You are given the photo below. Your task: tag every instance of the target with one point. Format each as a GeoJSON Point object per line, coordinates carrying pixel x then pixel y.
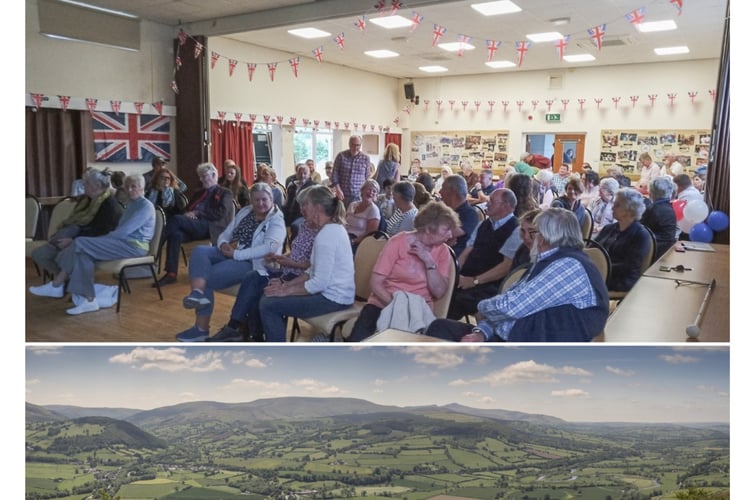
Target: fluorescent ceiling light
{"type": "Point", "coordinates": [656, 26]}
{"type": "Point", "coordinates": [579, 58]}
{"type": "Point", "coordinates": [455, 46]}
{"type": "Point", "coordinates": [500, 64]}
{"type": "Point", "coordinates": [496, 8]}
{"type": "Point", "coordinates": [392, 22]}
{"type": "Point", "coordinates": [544, 37]}
{"type": "Point", "coordinates": [433, 69]}
{"type": "Point", "coordinates": [668, 51]}
{"type": "Point", "coordinates": [380, 54]}
{"type": "Point", "coordinates": [309, 33]}
{"type": "Point", "coordinates": [100, 9]}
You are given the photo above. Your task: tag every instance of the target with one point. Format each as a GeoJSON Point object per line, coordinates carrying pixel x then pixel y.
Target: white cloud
{"type": "Point", "coordinates": [33, 381]}
{"type": "Point", "coordinates": [678, 359]}
{"type": "Point", "coordinates": [458, 382]}
{"type": "Point", "coordinates": [172, 359]}
{"type": "Point", "coordinates": [316, 387]}
{"type": "Point", "coordinates": [45, 350]}
{"type": "Point", "coordinates": [530, 372]}
{"type": "Point", "coordinates": [378, 382]}
{"type": "Point", "coordinates": [255, 363]}
{"type": "Point", "coordinates": [571, 393]}
{"type": "Point", "coordinates": [436, 356]}
{"type": "Point", "coordinates": [620, 372]}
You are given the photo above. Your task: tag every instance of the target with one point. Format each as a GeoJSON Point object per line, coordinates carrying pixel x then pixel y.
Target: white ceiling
{"type": "Point", "coordinates": [265, 23]}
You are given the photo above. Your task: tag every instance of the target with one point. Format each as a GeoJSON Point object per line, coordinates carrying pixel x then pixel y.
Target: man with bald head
{"type": "Point", "coordinates": [487, 258]}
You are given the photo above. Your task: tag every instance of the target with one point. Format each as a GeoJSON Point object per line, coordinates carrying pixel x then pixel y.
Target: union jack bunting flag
{"type": "Point", "coordinates": [130, 137]}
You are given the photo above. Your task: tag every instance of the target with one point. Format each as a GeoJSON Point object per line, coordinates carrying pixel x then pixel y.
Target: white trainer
{"type": "Point", "coordinates": [85, 306]}
{"type": "Point", "coordinates": [48, 290]}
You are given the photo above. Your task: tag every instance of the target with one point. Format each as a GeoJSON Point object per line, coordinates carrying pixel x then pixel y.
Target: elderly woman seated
{"type": "Point", "coordinates": [130, 238]}
{"type": "Point", "coordinates": [571, 199]}
{"type": "Point", "coordinates": [97, 212]}
{"type": "Point", "coordinates": [256, 231]}
{"type": "Point", "coordinates": [660, 216]}
{"type": "Point", "coordinates": [626, 240]}
{"type": "Point", "coordinates": [165, 192]}
{"type": "Point", "coordinates": [602, 207]}
{"type": "Point", "coordinates": [405, 211]}
{"type": "Point", "coordinates": [416, 262]}
{"type": "Point", "coordinates": [363, 216]}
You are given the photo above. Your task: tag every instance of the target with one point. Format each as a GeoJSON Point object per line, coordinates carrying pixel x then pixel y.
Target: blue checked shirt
{"type": "Point", "coordinates": [563, 281]}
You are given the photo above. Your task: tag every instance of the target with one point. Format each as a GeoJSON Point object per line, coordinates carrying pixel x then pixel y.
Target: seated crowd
{"type": "Point", "coordinates": [290, 249]}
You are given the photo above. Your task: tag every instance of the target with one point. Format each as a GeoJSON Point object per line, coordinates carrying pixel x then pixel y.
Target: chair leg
{"type": "Point", "coordinates": [121, 287]}
{"type": "Point", "coordinates": [295, 329]}
{"type": "Point", "coordinates": [185, 259]}
{"type": "Point", "coordinates": [156, 281]}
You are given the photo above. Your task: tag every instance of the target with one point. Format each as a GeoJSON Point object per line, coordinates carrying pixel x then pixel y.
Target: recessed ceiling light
{"type": "Point", "coordinates": [309, 33]}
{"type": "Point", "coordinates": [579, 58]}
{"type": "Point", "coordinates": [559, 21]}
{"type": "Point", "coordinates": [391, 22]}
{"type": "Point", "coordinates": [455, 46]}
{"type": "Point", "coordinates": [500, 64]}
{"type": "Point", "coordinates": [380, 54]}
{"type": "Point", "coordinates": [656, 26]}
{"type": "Point", "coordinates": [496, 8]}
{"type": "Point", "coordinates": [668, 51]}
{"type": "Point", "coordinates": [433, 69]}
{"type": "Point", "coordinates": [544, 37]}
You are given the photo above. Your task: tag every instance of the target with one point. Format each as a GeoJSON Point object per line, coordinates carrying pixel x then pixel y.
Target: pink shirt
{"type": "Point", "coordinates": [405, 271]}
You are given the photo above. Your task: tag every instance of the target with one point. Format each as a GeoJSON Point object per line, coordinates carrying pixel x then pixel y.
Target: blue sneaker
{"type": "Point", "coordinates": [195, 300]}
{"type": "Point", "coordinates": [193, 334]}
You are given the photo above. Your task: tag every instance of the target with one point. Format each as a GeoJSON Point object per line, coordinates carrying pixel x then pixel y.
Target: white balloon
{"type": "Point", "coordinates": [696, 211]}
{"type": "Point", "coordinates": [685, 225]}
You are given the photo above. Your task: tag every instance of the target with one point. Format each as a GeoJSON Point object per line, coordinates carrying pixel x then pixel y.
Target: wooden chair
{"type": "Point", "coordinates": [33, 209]}
{"type": "Point", "coordinates": [480, 212]}
{"type": "Point", "coordinates": [600, 258]}
{"type": "Point", "coordinates": [365, 259]}
{"type": "Point", "coordinates": [618, 296]}
{"type": "Point", "coordinates": [118, 266]}
{"type": "Point", "coordinates": [440, 305]}
{"type": "Point", "coordinates": [60, 212]}
{"type": "Point", "coordinates": [587, 225]}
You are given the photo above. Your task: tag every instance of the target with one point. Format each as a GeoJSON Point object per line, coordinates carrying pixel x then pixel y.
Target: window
{"type": "Point", "coordinates": [316, 144]}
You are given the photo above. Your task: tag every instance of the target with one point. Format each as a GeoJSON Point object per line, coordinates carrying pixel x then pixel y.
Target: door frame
{"type": "Point", "coordinates": [559, 140]}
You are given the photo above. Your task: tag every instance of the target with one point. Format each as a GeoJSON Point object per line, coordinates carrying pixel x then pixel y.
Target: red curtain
{"type": "Point", "coordinates": [233, 141]}
{"type": "Point", "coordinates": [395, 138]}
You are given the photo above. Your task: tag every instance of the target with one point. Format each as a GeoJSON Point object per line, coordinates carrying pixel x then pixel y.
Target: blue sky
{"type": "Point", "coordinates": [578, 383]}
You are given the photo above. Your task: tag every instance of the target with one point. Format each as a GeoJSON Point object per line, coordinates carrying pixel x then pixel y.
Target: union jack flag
{"type": "Point", "coordinates": [636, 16]}
{"type": "Point", "coordinates": [130, 137]}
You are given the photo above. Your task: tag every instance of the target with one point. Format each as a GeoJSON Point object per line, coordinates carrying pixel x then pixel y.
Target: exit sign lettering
{"type": "Point", "coordinates": [553, 117]}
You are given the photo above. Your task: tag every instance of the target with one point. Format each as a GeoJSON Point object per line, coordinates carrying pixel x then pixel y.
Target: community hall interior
{"type": "Point", "coordinates": [220, 71]}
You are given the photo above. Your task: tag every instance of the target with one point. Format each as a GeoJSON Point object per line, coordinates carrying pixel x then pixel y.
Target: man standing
{"type": "Point", "coordinates": [208, 213]}
{"type": "Point", "coordinates": [351, 168]}
{"type": "Point", "coordinates": [453, 193]}
{"type": "Point", "coordinates": [487, 258]}
{"type": "Point", "coordinates": [561, 298]}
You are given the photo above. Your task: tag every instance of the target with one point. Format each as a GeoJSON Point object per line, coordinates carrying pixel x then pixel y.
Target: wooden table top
{"type": "Point", "coordinates": [663, 303]}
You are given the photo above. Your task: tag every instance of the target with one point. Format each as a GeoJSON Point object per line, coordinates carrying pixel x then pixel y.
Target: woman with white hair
{"type": "Point", "coordinates": [602, 207]}
{"type": "Point", "coordinates": [543, 189]}
{"type": "Point", "coordinates": [446, 171]}
{"type": "Point", "coordinates": [363, 216]}
{"type": "Point", "coordinates": [660, 216]}
{"type": "Point", "coordinates": [626, 240]}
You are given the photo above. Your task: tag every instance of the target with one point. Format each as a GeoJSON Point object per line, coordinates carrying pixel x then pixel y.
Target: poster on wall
{"type": "Point", "coordinates": [486, 149]}
{"type": "Point", "coordinates": [624, 147]}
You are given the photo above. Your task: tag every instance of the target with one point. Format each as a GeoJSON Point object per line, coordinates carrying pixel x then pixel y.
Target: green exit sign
{"type": "Point", "coordinates": [553, 117]}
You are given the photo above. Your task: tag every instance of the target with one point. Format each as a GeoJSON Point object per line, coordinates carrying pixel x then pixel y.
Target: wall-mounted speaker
{"type": "Point", "coordinates": [409, 91]}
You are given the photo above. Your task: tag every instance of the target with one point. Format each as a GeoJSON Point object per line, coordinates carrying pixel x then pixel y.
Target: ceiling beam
{"type": "Point", "coordinates": [284, 16]}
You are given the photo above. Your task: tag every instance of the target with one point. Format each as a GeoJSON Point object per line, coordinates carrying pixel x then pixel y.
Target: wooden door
{"type": "Point", "coordinates": [569, 148]}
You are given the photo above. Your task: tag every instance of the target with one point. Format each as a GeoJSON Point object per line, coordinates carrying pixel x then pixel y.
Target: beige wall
{"type": "Point", "coordinates": [330, 92]}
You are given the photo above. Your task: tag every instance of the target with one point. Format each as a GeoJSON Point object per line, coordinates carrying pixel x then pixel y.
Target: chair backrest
{"type": "Point", "coordinates": [587, 225]}
{"type": "Point", "coordinates": [33, 209]}
{"type": "Point", "coordinates": [441, 305]}
{"type": "Point", "coordinates": [513, 277]}
{"type": "Point", "coordinates": [480, 212]}
{"type": "Point", "coordinates": [365, 259]}
{"type": "Point", "coordinates": [159, 224]}
{"type": "Point", "coordinates": [60, 212]}
{"type": "Point", "coordinates": [650, 257]}
{"type": "Point", "coordinates": [600, 258]}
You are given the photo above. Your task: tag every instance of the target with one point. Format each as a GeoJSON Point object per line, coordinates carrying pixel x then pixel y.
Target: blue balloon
{"type": "Point", "coordinates": [718, 221]}
{"type": "Point", "coordinates": [701, 232]}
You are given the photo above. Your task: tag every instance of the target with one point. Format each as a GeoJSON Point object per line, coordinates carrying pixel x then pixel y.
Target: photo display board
{"type": "Point", "coordinates": [487, 149]}
{"type": "Point", "coordinates": [624, 147]}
